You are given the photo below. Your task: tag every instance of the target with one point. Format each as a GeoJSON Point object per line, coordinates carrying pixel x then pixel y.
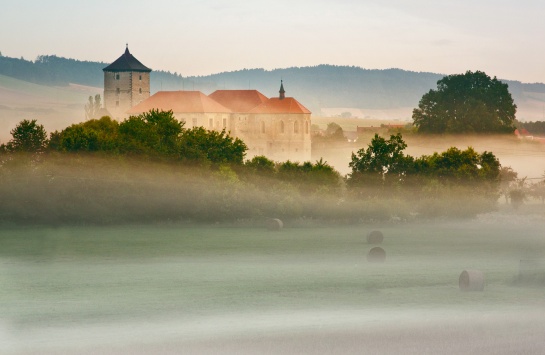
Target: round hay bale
{"type": "Point", "coordinates": [274, 224]}
{"type": "Point", "coordinates": [376, 255]}
{"type": "Point", "coordinates": [471, 280]}
{"type": "Point", "coordinates": [375, 237]}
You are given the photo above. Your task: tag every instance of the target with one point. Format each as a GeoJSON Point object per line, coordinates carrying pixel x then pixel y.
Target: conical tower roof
{"type": "Point", "coordinates": [127, 62]}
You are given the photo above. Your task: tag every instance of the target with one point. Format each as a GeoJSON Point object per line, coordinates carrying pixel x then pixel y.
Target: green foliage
{"type": "Point", "coordinates": [28, 136]}
{"type": "Point", "coordinates": [199, 144]}
{"type": "Point", "coordinates": [382, 162]}
{"type": "Point", "coordinates": [466, 103]}
{"type": "Point", "coordinates": [90, 136]}
{"type": "Point", "coordinates": [383, 168]}
{"type": "Point", "coordinates": [261, 165]}
{"type": "Point", "coordinates": [151, 133]}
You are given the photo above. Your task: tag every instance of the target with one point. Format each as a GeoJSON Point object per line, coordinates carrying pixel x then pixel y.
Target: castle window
{"type": "Point", "coordinates": [140, 78]}
{"type": "Point", "coordinates": [295, 127]}
{"type": "Point", "coordinates": [140, 90]}
{"type": "Point", "coordinates": [117, 104]}
{"type": "Point", "coordinates": [262, 127]}
{"type": "Point", "coordinates": [281, 126]}
{"type": "Point", "coordinates": [117, 91]}
{"type": "Point", "coordinates": [116, 76]}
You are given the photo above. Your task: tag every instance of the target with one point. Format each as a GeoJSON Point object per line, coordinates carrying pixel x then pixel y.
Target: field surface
{"type": "Point", "coordinates": [216, 289]}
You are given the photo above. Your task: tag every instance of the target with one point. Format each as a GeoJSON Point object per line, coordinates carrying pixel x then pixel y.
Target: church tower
{"type": "Point", "coordinates": [126, 84]}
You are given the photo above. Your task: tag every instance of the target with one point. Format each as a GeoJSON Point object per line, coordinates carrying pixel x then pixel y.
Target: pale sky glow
{"type": "Point", "coordinates": [503, 38]}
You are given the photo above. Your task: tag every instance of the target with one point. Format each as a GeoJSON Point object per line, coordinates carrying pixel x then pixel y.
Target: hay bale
{"type": "Point", "coordinates": [532, 271]}
{"type": "Point", "coordinates": [375, 237]}
{"type": "Point", "coordinates": [471, 280]}
{"type": "Point", "coordinates": [376, 255]}
{"type": "Point", "coordinates": [274, 224]}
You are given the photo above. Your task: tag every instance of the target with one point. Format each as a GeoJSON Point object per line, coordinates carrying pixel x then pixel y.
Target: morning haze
{"type": "Point", "coordinates": [253, 178]}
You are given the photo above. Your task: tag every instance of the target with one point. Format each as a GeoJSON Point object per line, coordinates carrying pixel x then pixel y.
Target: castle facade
{"type": "Point", "coordinates": [278, 127]}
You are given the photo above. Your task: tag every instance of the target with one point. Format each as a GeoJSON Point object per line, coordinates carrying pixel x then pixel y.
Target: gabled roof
{"type": "Point", "coordinates": [179, 102]}
{"type": "Point", "coordinates": [239, 100]}
{"type": "Point", "coordinates": [276, 105]}
{"type": "Point", "coordinates": [127, 62]}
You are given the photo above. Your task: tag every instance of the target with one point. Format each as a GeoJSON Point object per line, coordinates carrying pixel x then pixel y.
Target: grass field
{"type": "Point", "coordinates": [216, 289]}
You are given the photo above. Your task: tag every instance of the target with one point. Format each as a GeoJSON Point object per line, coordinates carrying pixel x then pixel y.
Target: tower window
{"type": "Point", "coordinates": [116, 76]}
{"type": "Point", "coordinates": [117, 91]}
{"type": "Point", "coordinates": [306, 127]}
{"type": "Point", "coordinates": [296, 127]}
{"type": "Point", "coordinates": [140, 90]}
{"type": "Point", "coordinates": [281, 126]}
{"type": "Point", "coordinates": [140, 78]}
{"type": "Point", "coordinates": [117, 104]}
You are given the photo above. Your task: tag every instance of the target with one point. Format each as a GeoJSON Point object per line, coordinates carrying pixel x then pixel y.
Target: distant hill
{"type": "Point", "coordinates": [324, 89]}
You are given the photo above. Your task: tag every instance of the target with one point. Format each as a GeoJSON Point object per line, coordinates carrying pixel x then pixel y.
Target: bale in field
{"type": "Point", "coordinates": [375, 237]}
{"type": "Point", "coordinates": [471, 280]}
{"type": "Point", "coordinates": [531, 272]}
{"type": "Point", "coordinates": [376, 255]}
{"type": "Point", "coordinates": [274, 224]}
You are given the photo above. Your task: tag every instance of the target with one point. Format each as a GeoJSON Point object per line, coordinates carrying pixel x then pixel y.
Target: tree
{"type": "Point", "coordinates": [199, 144]}
{"type": "Point", "coordinates": [383, 161]}
{"type": "Point", "coordinates": [93, 107]}
{"type": "Point", "coordinates": [466, 103]}
{"type": "Point", "coordinates": [90, 136]}
{"type": "Point", "coordinates": [154, 132]}
{"type": "Point", "coordinates": [28, 136]}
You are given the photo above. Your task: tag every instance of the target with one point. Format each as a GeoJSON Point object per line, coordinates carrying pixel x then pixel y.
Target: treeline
{"type": "Point", "coordinates": [51, 70]}
{"type": "Point", "coordinates": [535, 128]}
{"type": "Point", "coordinates": [316, 87]}
{"type": "Point", "coordinates": [149, 168]}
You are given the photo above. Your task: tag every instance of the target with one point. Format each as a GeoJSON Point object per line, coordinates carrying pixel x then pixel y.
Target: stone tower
{"type": "Point", "coordinates": [126, 84]}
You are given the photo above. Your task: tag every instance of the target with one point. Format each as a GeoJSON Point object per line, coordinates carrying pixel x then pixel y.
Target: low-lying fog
{"type": "Point", "coordinates": [525, 156]}
{"type": "Point", "coordinates": [239, 289]}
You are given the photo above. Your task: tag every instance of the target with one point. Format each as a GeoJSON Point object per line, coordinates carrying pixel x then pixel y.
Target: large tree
{"type": "Point", "coordinates": [466, 103]}
{"type": "Point", "coordinates": [28, 136]}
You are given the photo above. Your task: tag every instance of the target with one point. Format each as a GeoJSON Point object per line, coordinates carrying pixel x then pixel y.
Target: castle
{"type": "Point", "coordinates": [277, 127]}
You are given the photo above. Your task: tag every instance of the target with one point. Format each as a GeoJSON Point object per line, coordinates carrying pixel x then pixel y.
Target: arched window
{"type": "Point", "coordinates": [281, 126]}
{"type": "Point", "coordinates": [295, 127]}
{"type": "Point", "coordinates": [262, 127]}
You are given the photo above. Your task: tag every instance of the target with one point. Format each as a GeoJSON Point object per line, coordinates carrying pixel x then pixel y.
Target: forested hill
{"type": "Point", "coordinates": [51, 70]}
{"type": "Point", "coordinates": [322, 86]}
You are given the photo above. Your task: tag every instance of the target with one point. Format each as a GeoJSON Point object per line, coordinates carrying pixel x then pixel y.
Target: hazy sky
{"type": "Point", "coordinates": [503, 38]}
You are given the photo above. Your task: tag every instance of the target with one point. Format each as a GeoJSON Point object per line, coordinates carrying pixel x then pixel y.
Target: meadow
{"type": "Point", "coordinates": [217, 288]}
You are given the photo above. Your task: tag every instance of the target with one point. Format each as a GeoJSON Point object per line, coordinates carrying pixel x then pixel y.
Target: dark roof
{"type": "Point", "coordinates": [127, 62]}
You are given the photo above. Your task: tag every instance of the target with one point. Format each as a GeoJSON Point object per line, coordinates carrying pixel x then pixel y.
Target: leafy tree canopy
{"type": "Point", "coordinates": [466, 103]}
{"type": "Point", "coordinates": [28, 136]}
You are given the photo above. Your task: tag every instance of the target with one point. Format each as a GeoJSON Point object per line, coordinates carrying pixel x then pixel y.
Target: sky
{"type": "Point", "coordinates": [503, 38]}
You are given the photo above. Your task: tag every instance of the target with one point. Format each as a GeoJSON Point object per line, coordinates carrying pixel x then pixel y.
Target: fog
{"type": "Point", "coordinates": [525, 156]}
{"type": "Point", "coordinates": [120, 255]}
{"type": "Point", "coordinates": [201, 288]}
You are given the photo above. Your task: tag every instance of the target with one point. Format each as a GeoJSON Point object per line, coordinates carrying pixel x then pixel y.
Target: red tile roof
{"type": "Point", "coordinates": [275, 106]}
{"type": "Point", "coordinates": [180, 102]}
{"type": "Point", "coordinates": [239, 100]}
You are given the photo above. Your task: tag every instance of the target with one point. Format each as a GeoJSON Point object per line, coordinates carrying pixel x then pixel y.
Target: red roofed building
{"type": "Point", "coordinates": [278, 128]}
